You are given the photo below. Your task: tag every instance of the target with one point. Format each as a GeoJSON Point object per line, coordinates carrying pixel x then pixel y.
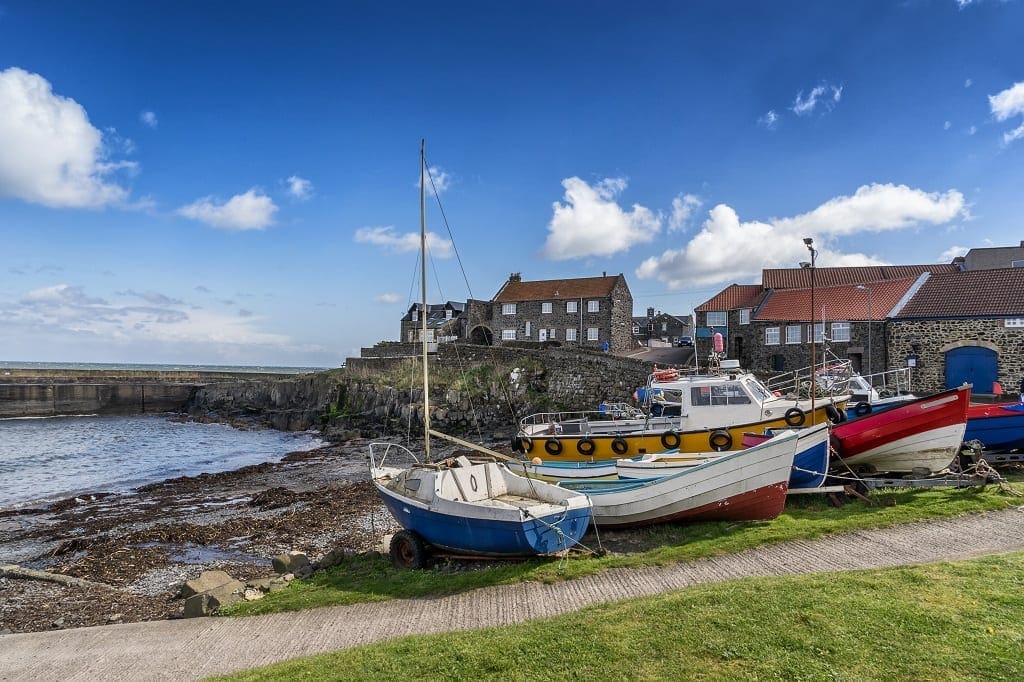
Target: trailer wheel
{"type": "Point", "coordinates": [408, 551]}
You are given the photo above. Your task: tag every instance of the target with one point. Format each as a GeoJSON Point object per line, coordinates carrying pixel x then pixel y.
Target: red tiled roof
{"type": "Point", "coordinates": [556, 289]}
{"type": "Point", "coordinates": [734, 296]}
{"type": "Point", "coordinates": [800, 278]}
{"type": "Point", "coordinates": [840, 303]}
{"type": "Point", "coordinates": [975, 293]}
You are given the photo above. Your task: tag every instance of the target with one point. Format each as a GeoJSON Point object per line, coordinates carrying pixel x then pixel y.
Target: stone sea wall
{"type": "Point", "coordinates": [54, 399]}
{"type": "Point", "coordinates": [471, 391]}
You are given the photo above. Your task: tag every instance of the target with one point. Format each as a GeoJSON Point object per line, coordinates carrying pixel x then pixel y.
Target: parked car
{"type": "Point", "coordinates": [685, 341]}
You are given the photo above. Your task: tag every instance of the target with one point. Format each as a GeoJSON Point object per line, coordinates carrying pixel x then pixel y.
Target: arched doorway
{"type": "Point", "coordinates": [974, 365]}
{"type": "Point", "coordinates": [481, 336]}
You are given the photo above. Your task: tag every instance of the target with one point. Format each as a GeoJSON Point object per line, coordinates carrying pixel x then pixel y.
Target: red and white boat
{"type": "Point", "coordinates": [744, 485]}
{"type": "Point", "coordinates": [924, 434]}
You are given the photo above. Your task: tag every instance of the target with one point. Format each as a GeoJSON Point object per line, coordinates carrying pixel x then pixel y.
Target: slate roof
{"type": "Point", "coordinates": [846, 302]}
{"type": "Point", "coordinates": [556, 289]}
{"type": "Point", "coordinates": [974, 293]}
{"type": "Point", "coordinates": [436, 312]}
{"type": "Point", "coordinates": [800, 278]}
{"type": "Point", "coordinates": [734, 296]}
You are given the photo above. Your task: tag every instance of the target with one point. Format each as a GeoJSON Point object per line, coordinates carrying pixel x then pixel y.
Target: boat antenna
{"type": "Point", "coordinates": [423, 292]}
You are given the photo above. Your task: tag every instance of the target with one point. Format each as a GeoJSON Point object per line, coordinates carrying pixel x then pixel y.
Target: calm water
{"type": "Point", "coordinates": [49, 459]}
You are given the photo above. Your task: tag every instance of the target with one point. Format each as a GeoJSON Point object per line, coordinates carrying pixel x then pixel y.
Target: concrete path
{"type": "Point", "coordinates": [192, 649]}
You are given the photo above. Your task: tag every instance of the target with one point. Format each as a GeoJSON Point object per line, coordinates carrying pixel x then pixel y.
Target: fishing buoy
{"type": "Point", "coordinates": [537, 460]}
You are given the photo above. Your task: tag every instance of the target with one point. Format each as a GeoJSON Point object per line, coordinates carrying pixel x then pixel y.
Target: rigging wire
{"type": "Point", "coordinates": [451, 237]}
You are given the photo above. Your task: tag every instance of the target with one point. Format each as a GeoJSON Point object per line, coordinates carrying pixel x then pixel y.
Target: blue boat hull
{"type": "Point", "coordinates": [489, 537]}
{"type": "Point", "coordinates": [810, 467]}
{"type": "Point", "coordinates": [997, 433]}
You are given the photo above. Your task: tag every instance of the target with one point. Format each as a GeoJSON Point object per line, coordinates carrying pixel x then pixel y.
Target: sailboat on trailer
{"type": "Point", "coordinates": [468, 506]}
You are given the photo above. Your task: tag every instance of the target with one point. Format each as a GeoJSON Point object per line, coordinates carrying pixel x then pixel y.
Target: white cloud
{"type": "Point", "coordinates": [947, 125]}
{"type": "Point", "coordinates": [972, 130]}
{"type": "Point", "coordinates": [149, 119]}
{"type": "Point", "coordinates": [442, 180]}
{"type": "Point", "coordinates": [968, 83]}
{"type": "Point", "coordinates": [1006, 105]}
{"type": "Point", "coordinates": [591, 223]}
{"type": "Point", "coordinates": [61, 294]}
{"type": "Point", "coordinates": [407, 242]}
{"type": "Point", "coordinates": [387, 298]}
{"type": "Point", "coordinates": [769, 120]}
{"type": "Point", "coordinates": [728, 249]}
{"type": "Point", "coordinates": [299, 188]}
{"type": "Point", "coordinates": [952, 252]}
{"type": "Point", "coordinates": [683, 207]}
{"type": "Point", "coordinates": [50, 153]}
{"type": "Point", "coordinates": [250, 211]}
{"type": "Point", "coordinates": [826, 95]}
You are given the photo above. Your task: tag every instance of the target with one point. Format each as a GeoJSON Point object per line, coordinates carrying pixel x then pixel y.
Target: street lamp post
{"type": "Point", "coordinates": [871, 319]}
{"type": "Point", "coordinates": [809, 243]}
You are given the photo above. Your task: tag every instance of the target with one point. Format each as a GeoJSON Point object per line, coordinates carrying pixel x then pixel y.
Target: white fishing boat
{"type": "Point", "coordinates": [463, 506]}
{"type": "Point", "coordinates": [746, 485]}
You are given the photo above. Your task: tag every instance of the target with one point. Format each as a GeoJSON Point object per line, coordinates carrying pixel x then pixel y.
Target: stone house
{"type": "Point", "coordinates": [767, 326]}
{"type": "Point", "coordinates": [445, 322]}
{"type": "Point", "coordinates": [593, 312]}
{"type": "Point", "coordinates": [661, 326]}
{"type": "Point", "coordinates": [958, 327]}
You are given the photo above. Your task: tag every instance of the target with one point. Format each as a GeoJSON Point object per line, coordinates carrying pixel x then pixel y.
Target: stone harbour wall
{"type": "Point", "coordinates": [54, 399]}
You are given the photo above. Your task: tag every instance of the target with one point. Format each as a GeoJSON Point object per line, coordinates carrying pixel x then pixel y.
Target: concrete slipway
{"type": "Point", "coordinates": [192, 649]}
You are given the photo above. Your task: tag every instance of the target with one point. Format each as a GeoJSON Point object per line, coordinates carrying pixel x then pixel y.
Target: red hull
{"type": "Point", "coordinates": [762, 504]}
{"type": "Point", "coordinates": [910, 419]}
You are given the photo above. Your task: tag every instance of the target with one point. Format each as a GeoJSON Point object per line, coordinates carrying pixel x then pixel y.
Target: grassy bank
{"type": "Point", "coordinates": [942, 621]}
{"type": "Point", "coordinates": [371, 578]}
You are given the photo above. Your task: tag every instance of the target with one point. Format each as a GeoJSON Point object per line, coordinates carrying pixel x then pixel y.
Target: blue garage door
{"type": "Point", "coordinates": [975, 365]}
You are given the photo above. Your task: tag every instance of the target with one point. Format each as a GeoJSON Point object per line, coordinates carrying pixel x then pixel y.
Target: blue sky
{"type": "Point", "coordinates": [225, 183]}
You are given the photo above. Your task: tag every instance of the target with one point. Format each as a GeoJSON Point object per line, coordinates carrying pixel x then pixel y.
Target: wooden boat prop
{"type": "Point", "coordinates": [924, 434]}
{"type": "Point", "coordinates": [699, 413]}
{"type": "Point", "coordinates": [999, 426]}
{"type": "Point", "coordinates": [810, 463]}
{"type": "Point", "coordinates": [463, 506]}
{"type": "Point", "coordinates": [747, 485]}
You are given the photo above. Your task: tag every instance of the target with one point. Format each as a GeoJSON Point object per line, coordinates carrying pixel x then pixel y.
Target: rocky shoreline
{"type": "Point", "coordinates": [142, 546]}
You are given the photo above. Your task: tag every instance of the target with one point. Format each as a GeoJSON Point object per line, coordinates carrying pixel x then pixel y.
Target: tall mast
{"type": "Point", "coordinates": [423, 288]}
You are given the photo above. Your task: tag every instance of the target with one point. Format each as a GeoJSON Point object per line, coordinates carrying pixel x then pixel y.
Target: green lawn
{"type": "Point", "coordinates": [371, 578]}
{"type": "Point", "coordinates": [951, 621]}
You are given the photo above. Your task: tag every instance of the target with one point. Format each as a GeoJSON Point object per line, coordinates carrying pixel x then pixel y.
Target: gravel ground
{"type": "Point", "coordinates": [148, 542]}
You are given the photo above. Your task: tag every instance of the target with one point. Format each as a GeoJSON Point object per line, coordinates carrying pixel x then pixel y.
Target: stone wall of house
{"type": "Point", "coordinates": [621, 317]}
{"type": "Point", "coordinates": [390, 349]}
{"type": "Point", "coordinates": [935, 337]}
{"type": "Point", "coordinates": [560, 320]}
{"type": "Point", "coordinates": [747, 343]}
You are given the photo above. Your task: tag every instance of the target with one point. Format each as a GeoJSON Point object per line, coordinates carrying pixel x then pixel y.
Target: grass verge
{"type": "Point", "coordinates": [369, 578]}
{"type": "Point", "coordinates": [946, 621]}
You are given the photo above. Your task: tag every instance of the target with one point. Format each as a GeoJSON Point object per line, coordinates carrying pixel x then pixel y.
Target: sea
{"type": "Point", "coordinates": [52, 458]}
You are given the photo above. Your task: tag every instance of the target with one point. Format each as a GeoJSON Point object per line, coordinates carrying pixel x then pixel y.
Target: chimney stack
{"type": "Point", "coordinates": [515, 277]}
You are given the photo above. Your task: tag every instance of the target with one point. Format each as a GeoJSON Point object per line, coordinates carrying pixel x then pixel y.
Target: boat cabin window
{"type": "Point", "coordinates": [759, 392]}
{"type": "Point", "coordinates": [719, 394]}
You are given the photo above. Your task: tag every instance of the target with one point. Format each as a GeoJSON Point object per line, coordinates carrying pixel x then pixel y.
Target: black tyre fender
{"type": "Point", "coordinates": [517, 444]}
{"type": "Point", "coordinates": [408, 550]}
{"type": "Point", "coordinates": [586, 446]}
{"type": "Point", "coordinates": [862, 409]}
{"type": "Point", "coordinates": [833, 414]}
{"type": "Point", "coordinates": [670, 439]}
{"type": "Point", "coordinates": [620, 446]}
{"type": "Point", "coordinates": [795, 416]}
{"type": "Point", "coordinates": [525, 444]}
{"type": "Point", "coordinates": [720, 440]}
{"type": "Point", "coordinates": [553, 446]}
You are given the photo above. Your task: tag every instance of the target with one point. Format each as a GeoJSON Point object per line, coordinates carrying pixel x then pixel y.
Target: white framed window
{"type": "Point", "coordinates": [448, 313]}
{"type": "Point", "coordinates": [546, 308]}
{"type": "Point", "coordinates": [591, 333]}
{"type": "Point", "coordinates": [636, 329]}
{"type": "Point", "coordinates": [718, 318]}
{"type": "Point", "coordinates": [570, 334]}
{"type": "Point", "coordinates": [771, 336]}
{"type": "Point", "coordinates": [840, 331]}
{"type": "Point", "coordinates": [508, 334]}
{"type": "Point", "coordinates": [744, 315]}
{"type": "Point", "coordinates": [1017, 264]}
{"type": "Point", "coordinates": [415, 315]}
{"type": "Point", "coordinates": [593, 306]}
{"type": "Point", "coordinates": [664, 327]}
{"type": "Point", "coordinates": [508, 308]}
{"type": "Point", "coordinates": [527, 329]}
{"type": "Point", "coordinates": [570, 306]}
{"type": "Point", "coordinates": [819, 332]}
{"type": "Point", "coordinates": [793, 334]}
{"type": "Point", "coordinates": [552, 334]}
